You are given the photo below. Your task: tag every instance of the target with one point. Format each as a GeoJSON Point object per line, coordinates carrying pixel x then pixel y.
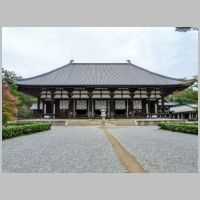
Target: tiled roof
{"type": "Point", "coordinates": [167, 103]}
{"type": "Point", "coordinates": [99, 74]}
{"type": "Point", "coordinates": [182, 109]}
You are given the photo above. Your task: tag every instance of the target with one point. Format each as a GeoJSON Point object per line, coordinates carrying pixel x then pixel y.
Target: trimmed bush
{"type": "Point", "coordinates": [24, 129]}
{"type": "Point", "coordinates": [180, 127]}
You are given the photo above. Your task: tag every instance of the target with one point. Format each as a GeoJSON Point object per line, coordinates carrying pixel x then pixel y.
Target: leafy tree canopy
{"type": "Point", "coordinates": [24, 101]}
{"type": "Point", "coordinates": [185, 29]}
{"type": "Point", "coordinates": [187, 96]}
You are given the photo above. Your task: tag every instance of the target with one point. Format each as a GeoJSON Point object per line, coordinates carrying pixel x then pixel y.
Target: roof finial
{"type": "Point", "coordinates": [128, 61]}
{"type": "Point", "coordinates": [71, 61]}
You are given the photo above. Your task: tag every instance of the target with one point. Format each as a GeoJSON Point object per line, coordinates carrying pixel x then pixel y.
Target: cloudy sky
{"type": "Point", "coordinates": [32, 51]}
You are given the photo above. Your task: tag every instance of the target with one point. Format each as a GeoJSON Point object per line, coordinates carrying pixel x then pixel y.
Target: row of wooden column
{"type": "Point", "coordinates": [112, 109]}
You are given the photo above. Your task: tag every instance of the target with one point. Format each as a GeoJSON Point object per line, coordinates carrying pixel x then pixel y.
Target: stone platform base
{"type": "Point", "coordinates": [108, 122]}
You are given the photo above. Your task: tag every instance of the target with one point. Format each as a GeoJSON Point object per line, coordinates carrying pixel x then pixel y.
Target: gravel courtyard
{"type": "Point", "coordinates": [86, 149]}
{"type": "Point", "coordinates": [62, 149]}
{"type": "Point", "coordinates": [160, 150]}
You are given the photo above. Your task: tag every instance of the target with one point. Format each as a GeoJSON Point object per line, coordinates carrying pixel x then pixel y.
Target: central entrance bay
{"type": "Point", "coordinates": [81, 108]}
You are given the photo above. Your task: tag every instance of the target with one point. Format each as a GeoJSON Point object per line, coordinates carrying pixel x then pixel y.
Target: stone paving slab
{"type": "Point", "coordinates": [62, 149]}
{"type": "Point", "coordinates": [159, 150]}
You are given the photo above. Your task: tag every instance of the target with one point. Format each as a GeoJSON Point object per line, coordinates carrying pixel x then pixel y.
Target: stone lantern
{"type": "Point", "coordinates": [103, 115]}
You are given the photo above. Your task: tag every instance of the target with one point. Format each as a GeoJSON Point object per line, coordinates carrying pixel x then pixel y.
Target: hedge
{"type": "Point", "coordinates": [180, 127]}
{"type": "Point", "coordinates": [24, 129]}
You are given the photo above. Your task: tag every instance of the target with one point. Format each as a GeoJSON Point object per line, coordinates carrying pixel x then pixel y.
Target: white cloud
{"type": "Point", "coordinates": [32, 51]}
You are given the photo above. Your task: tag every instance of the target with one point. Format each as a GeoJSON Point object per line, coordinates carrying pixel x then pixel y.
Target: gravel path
{"type": "Point", "coordinates": [159, 150]}
{"type": "Point", "coordinates": [63, 149]}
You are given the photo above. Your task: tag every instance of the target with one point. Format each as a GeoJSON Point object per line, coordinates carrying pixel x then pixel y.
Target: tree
{"type": "Point", "coordinates": [9, 77]}
{"type": "Point", "coordinates": [187, 96]}
{"type": "Point", "coordinates": [195, 81]}
{"type": "Point", "coordinates": [185, 29]}
{"type": "Point", "coordinates": [192, 83]}
{"type": "Point", "coordinates": [24, 101]}
{"type": "Point", "coordinates": [8, 104]}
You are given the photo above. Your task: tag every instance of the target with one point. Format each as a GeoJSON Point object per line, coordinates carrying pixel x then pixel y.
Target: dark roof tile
{"type": "Point", "coordinates": [99, 74]}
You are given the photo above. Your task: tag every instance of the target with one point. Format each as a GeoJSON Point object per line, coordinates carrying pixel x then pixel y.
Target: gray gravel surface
{"type": "Point", "coordinates": [160, 150]}
{"type": "Point", "coordinates": [62, 149]}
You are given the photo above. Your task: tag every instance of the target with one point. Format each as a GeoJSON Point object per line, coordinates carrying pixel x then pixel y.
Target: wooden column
{"type": "Point", "coordinates": [38, 103]}
{"type": "Point", "coordinates": [148, 95]}
{"type": "Point", "coordinates": [162, 106]}
{"type": "Point", "coordinates": [90, 103]}
{"type": "Point", "coordinates": [38, 106]}
{"type": "Point", "coordinates": [129, 108]}
{"type": "Point", "coordinates": [131, 114]}
{"type": "Point", "coordinates": [43, 108]}
{"type": "Point", "coordinates": [52, 103]}
{"type": "Point", "coordinates": [112, 109]}
{"type": "Point", "coordinates": [157, 106]}
{"type": "Point", "coordinates": [70, 109]}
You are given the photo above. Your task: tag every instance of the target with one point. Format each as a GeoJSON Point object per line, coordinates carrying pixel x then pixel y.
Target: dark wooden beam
{"type": "Point", "coordinates": [52, 102]}
{"type": "Point", "coordinates": [90, 90]}
{"type": "Point", "coordinates": [112, 109]}
{"type": "Point", "coordinates": [70, 109]}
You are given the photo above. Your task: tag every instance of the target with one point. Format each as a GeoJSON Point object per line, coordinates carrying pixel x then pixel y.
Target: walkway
{"type": "Point", "coordinates": [93, 149]}
{"type": "Point", "coordinates": [63, 149]}
{"type": "Point", "coordinates": [159, 150]}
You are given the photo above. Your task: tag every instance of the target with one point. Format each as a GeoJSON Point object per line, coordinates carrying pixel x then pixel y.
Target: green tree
{"type": "Point", "coordinates": [187, 96]}
{"type": "Point", "coordinates": [185, 29]}
{"type": "Point", "coordinates": [195, 81]}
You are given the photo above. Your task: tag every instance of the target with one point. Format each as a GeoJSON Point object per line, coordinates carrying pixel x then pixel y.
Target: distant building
{"type": "Point", "coordinates": [81, 90]}
{"type": "Point", "coordinates": [189, 112]}
{"type": "Point", "coordinates": [167, 106]}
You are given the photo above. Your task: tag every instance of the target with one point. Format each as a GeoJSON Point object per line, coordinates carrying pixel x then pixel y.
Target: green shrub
{"type": "Point", "coordinates": [24, 129]}
{"type": "Point", "coordinates": [24, 112]}
{"type": "Point", "coordinates": [180, 127]}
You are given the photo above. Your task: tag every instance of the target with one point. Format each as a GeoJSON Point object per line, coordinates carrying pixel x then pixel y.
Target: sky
{"type": "Point", "coordinates": [30, 51]}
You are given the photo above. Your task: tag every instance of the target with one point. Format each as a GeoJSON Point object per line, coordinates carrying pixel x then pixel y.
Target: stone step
{"type": "Point", "coordinates": [84, 122]}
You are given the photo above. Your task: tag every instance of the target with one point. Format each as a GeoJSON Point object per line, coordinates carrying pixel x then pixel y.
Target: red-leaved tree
{"type": "Point", "coordinates": [8, 104]}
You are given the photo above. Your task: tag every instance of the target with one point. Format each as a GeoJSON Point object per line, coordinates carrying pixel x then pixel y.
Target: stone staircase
{"type": "Point", "coordinates": [84, 122]}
